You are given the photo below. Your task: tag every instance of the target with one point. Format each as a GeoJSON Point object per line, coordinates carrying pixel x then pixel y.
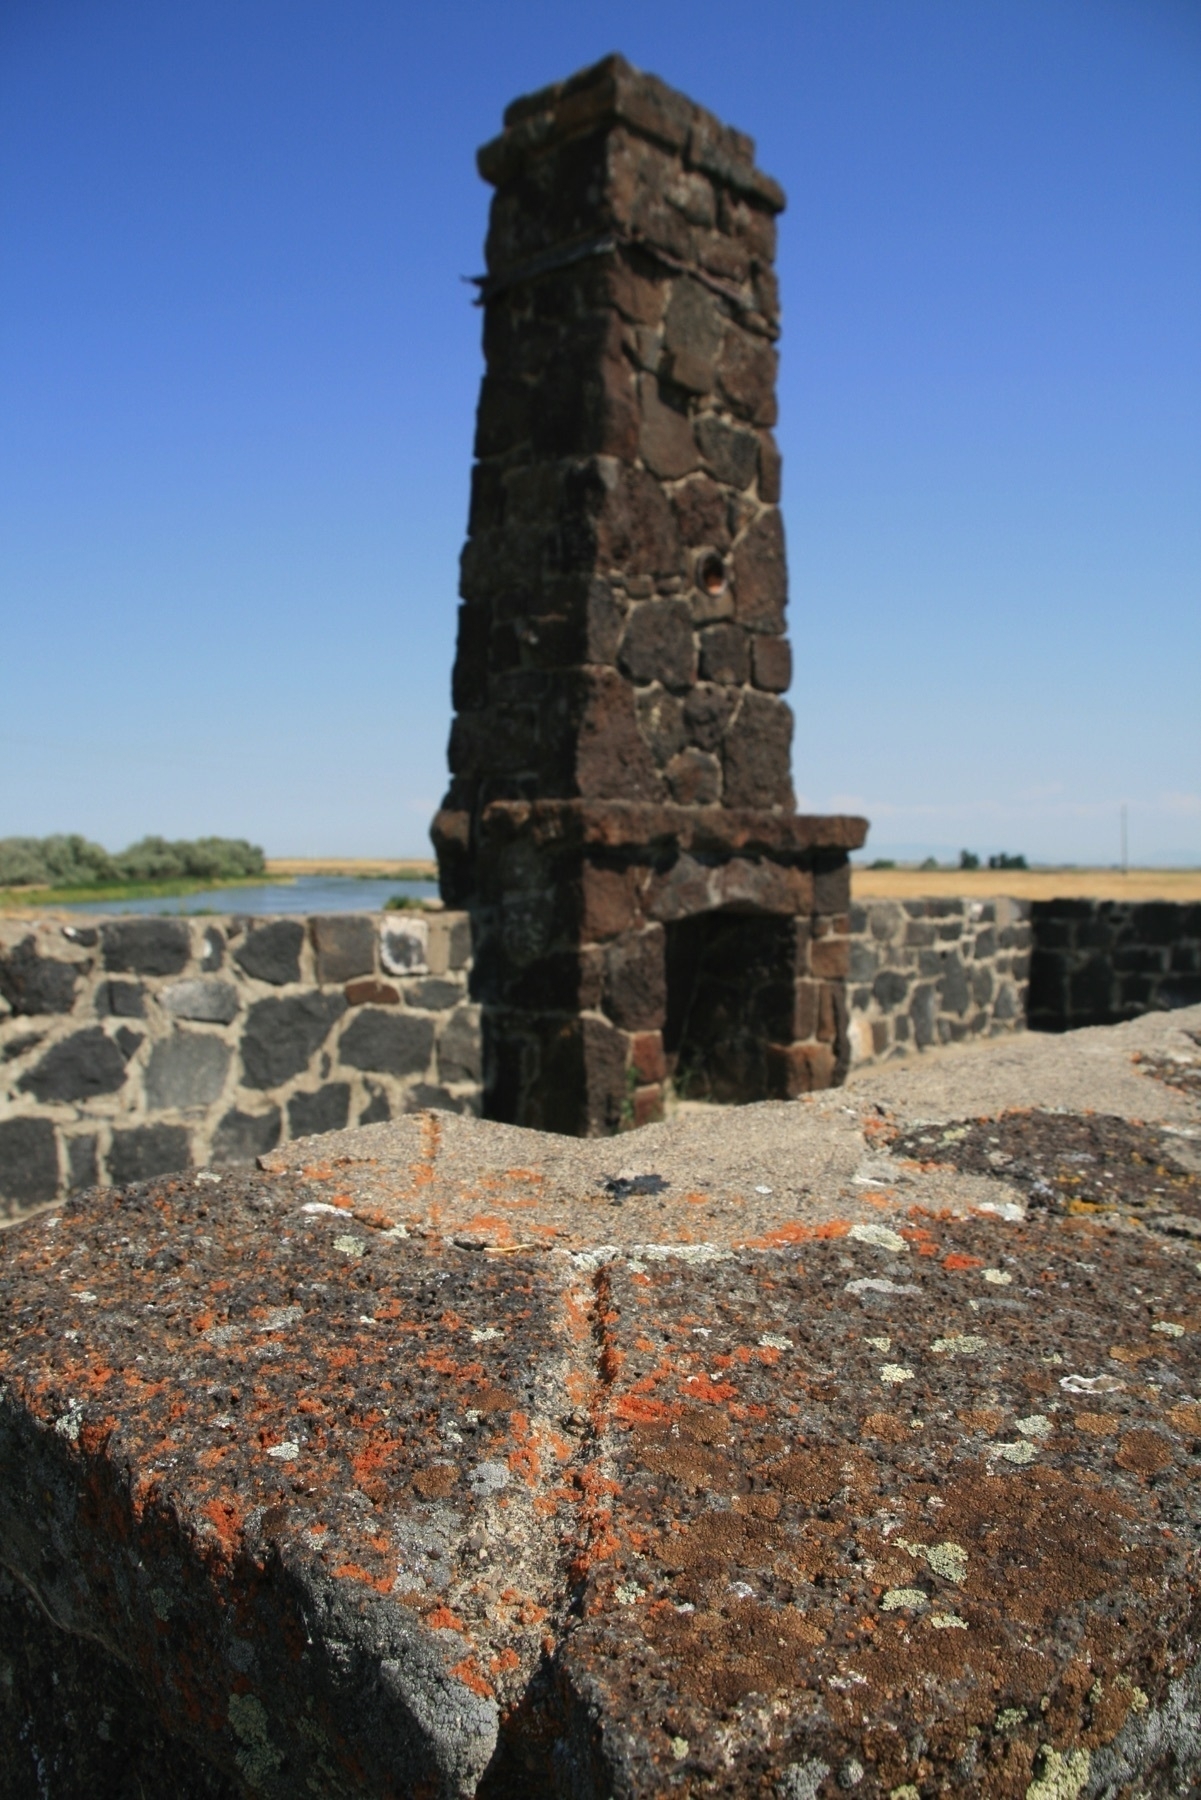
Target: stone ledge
{"type": "Point", "coordinates": [619, 825]}
{"type": "Point", "coordinates": [463, 1459]}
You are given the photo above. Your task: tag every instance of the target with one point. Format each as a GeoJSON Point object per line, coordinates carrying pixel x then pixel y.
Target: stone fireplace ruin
{"type": "Point", "coordinates": [647, 905]}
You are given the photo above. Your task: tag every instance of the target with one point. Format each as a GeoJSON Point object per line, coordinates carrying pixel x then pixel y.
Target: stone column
{"type": "Point", "coordinates": [620, 819]}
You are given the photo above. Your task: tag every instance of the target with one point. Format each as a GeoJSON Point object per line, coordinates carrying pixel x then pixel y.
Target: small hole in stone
{"type": "Point", "coordinates": [711, 575]}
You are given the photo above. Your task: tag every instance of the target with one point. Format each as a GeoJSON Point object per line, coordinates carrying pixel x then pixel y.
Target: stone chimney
{"type": "Point", "coordinates": [647, 906]}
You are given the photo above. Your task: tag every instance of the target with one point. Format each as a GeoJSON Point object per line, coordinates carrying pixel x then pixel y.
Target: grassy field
{"type": "Point", "coordinates": [1028, 884]}
{"type": "Point", "coordinates": [364, 868]}
{"type": "Point", "coordinates": [25, 899]}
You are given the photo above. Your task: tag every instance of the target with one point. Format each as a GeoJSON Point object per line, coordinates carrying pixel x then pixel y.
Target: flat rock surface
{"type": "Point", "coordinates": [846, 1445]}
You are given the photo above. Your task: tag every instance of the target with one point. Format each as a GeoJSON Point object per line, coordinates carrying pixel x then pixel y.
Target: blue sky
{"type": "Point", "coordinates": [238, 373]}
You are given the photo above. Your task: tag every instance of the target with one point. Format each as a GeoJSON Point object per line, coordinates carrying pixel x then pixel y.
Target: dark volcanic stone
{"type": "Point", "coordinates": [185, 1070]}
{"type": "Point", "coordinates": [145, 1151]}
{"type": "Point", "coordinates": [240, 1136]}
{"type": "Point", "coordinates": [37, 984]}
{"type": "Point", "coordinates": [344, 944]}
{"type": "Point", "coordinates": [146, 946]}
{"type": "Point", "coordinates": [272, 952]}
{"type": "Point", "coordinates": [377, 1109]}
{"type": "Point", "coordinates": [326, 1110]}
{"type": "Point", "coordinates": [81, 1162]}
{"type": "Point", "coordinates": [76, 1068]}
{"type": "Point", "coordinates": [281, 1035]}
{"type": "Point", "coordinates": [105, 1742]}
{"type": "Point", "coordinates": [121, 1000]}
{"type": "Point", "coordinates": [387, 1042]}
{"type": "Point", "coordinates": [28, 1161]}
{"type": "Point", "coordinates": [1068, 1163]}
{"type": "Point", "coordinates": [205, 1000]}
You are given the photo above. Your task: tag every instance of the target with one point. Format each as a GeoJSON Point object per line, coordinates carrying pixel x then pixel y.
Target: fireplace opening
{"type": "Point", "coordinates": [730, 980]}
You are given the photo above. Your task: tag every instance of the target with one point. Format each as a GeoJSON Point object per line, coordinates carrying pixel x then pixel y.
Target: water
{"type": "Point", "coordinates": [306, 894]}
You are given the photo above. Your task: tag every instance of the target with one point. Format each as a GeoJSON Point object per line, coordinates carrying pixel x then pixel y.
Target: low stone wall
{"type": "Point", "coordinates": [1097, 962]}
{"type": "Point", "coordinates": [928, 972]}
{"type": "Point", "coordinates": [133, 1047]}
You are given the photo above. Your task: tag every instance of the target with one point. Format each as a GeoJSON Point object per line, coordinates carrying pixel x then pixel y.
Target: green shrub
{"type": "Point", "coordinates": [73, 862]}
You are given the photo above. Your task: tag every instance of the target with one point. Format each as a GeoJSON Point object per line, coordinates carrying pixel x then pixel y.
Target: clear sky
{"type": "Point", "coordinates": [239, 366]}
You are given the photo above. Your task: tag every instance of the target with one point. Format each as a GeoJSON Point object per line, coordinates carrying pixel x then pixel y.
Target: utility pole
{"type": "Point", "coordinates": [1125, 858]}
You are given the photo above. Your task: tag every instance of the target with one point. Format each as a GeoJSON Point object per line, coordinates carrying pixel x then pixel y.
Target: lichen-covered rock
{"type": "Point", "coordinates": [846, 1445]}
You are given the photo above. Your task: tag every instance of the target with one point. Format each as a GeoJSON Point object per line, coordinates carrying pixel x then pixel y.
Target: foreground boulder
{"type": "Point", "coordinates": [849, 1444]}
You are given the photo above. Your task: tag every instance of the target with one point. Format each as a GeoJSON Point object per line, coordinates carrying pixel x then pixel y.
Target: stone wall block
{"type": "Point", "coordinates": [635, 980]}
{"type": "Point", "coordinates": [406, 943]}
{"type": "Point", "coordinates": [146, 946]}
{"type": "Point", "coordinates": [658, 644]}
{"type": "Point", "coordinates": [344, 944]}
{"type": "Point", "coordinates": [29, 1165]}
{"type": "Point", "coordinates": [796, 1069]}
{"type": "Point", "coordinates": [32, 983]}
{"type": "Point", "coordinates": [271, 952]}
{"type": "Point", "coordinates": [77, 1068]}
{"type": "Point", "coordinates": [387, 1043]}
{"type": "Point", "coordinates": [756, 754]}
{"type": "Point", "coordinates": [202, 998]}
{"type": "Point", "coordinates": [760, 574]}
{"type": "Point", "coordinates": [186, 1071]}
{"type": "Point", "coordinates": [141, 1152]}
{"type": "Point", "coordinates": [325, 1109]}
{"type": "Point", "coordinates": [281, 1035]}
{"type": "Point", "coordinates": [241, 1136]}
{"type": "Point", "coordinates": [459, 1055]}
{"type": "Point", "coordinates": [118, 999]}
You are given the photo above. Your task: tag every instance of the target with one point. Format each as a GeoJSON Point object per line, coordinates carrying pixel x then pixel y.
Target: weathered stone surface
{"type": "Point", "coordinates": [187, 1070]}
{"type": "Point", "coordinates": [755, 754]}
{"type": "Point", "coordinates": [28, 1161]}
{"type": "Point", "coordinates": [388, 1043]}
{"type": "Point", "coordinates": [214, 1002]}
{"type": "Point", "coordinates": [76, 1068]}
{"type": "Point", "coordinates": [144, 1151]}
{"type": "Point", "coordinates": [370, 992]}
{"type": "Point", "coordinates": [281, 1035]}
{"type": "Point", "coordinates": [779, 1461]}
{"type": "Point", "coordinates": [145, 946]}
{"type": "Point", "coordinates": [82, 1170]}
{"type": "Point", "coordinates": [731, 450]}
{"type": "Point", "coordinates": [344, 945]}
{"type": "Point", "coordinates": [272, 952]}
{"type": "Point", "coordinates": [404, 946]}
{"type": "Point", "coordinates": [326, 1110]}
{"type": "Point", "coordinates": [37, 984]}
{"type": "Point", "coordinates": [121, 1000]}
{"type": "Point", "coordinates": [657, 645]}
{"type": "Point", "coordinates": [242, 1136]}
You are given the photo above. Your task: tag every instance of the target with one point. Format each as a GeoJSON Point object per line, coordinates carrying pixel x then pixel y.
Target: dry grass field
{"type": "Point", "coordinates": [1029, 884]}
{"type": "Point", "coordinates": [867, 884]}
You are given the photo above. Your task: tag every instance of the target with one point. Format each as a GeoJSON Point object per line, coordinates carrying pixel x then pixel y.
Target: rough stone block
{"type": "Point", "coordinates": [282, 1035]}
{"type": "Point", "coordinates": [772, 660]}
{"type": "Point", "coordinates": [206, 999]}
{"type": "Point", "coordinates": [371, 992]}
{"type": "Point", "coordinates": [404, 946]}
{"type": "Point", "coordinates": [186, 1070]}
{"type": "Point", "coordinates": [755, 754]}
{"type": "Point", "coordinates": [242, 1136]}
{"type": "Point", "coordinates": [433, 994]}
{"type": "Point", "coordinates": [344, 944]}
{"type": "Point", "coordinates": [635, 980]}
{"type": "Point", "coordinates": [144, 1151]}
{"type": "Point", "coordinates": [37, 984]}
{"type": "Point", "coordinates": [77, 1068]}
{"type": "Point", "coordinates": [796, 1069]}
{"type": "Point", "coordinates": [387, 1043]}
{"type": "Point", "coordinates": [272, 952]}
{"type": "Point", "coordinates": [28, 1161]}
{"type": "Point", "coordinates": [146, 946]}
{"type": "Point", "coordinates": [120, 1000]}
{"type": "Point", "coordinates": [82, 1168]}
{"type": "Point", "coordinates": [459, 1046]}
{"type": "Point", "coordinates": [829, 957]}
{"type": "Point", "coordinates": [658, 644]}
{"type": "Point", "coordinates": [326, 1110]}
